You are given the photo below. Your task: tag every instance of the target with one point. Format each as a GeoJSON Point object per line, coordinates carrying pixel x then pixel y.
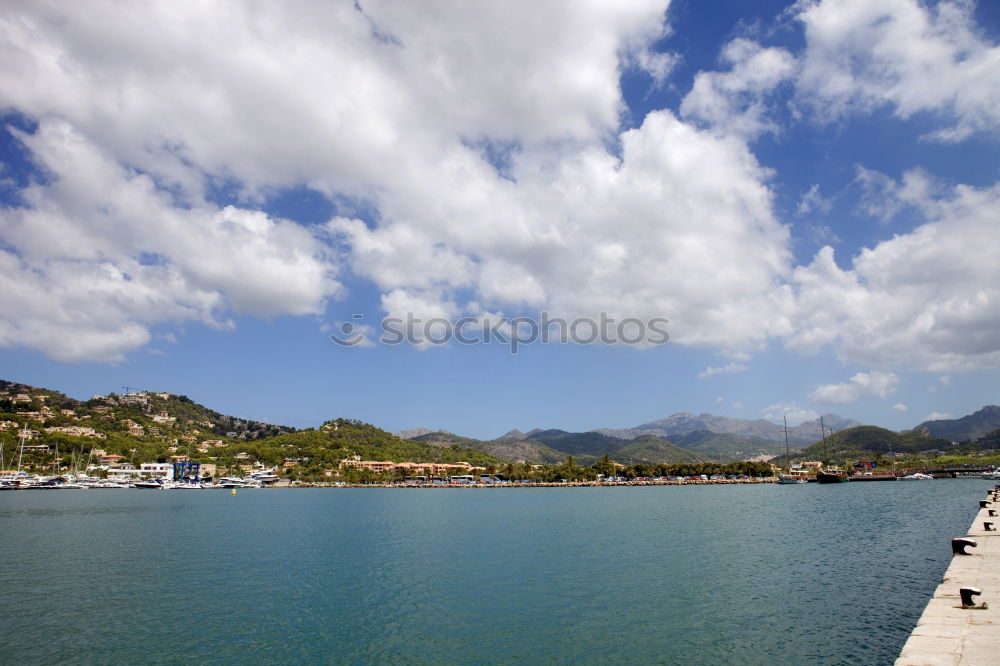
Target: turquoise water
{"type": "Point", "coordinates": [707, 574]}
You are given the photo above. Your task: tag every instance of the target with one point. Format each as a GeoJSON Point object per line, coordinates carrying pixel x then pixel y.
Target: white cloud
{"type": "Point", "coordinates": [791, 411]}
{"type": "Point", "coordinates": [878, 384]}
{"type": "Point", "coordinates": [883, 198]}
{"type": "Point", "coordinates": [99, 254]}
{"type": "Point", "coordinates": [861, 55]}
{"type": "Point", "coordinates": [735, 102]}
{"type": "Point", "coordinates": [945, 379]}
{"type": "Point", "coordinates": [398, 106]}
{"type": "Point", "coordinates": [921, 299]}
{"type": "Point", "coordinates": [813, 200]}
{"type": "Point", "coordinates": [658, 65]}
{"type": "Point", "coordinates": [900, 407]}
{"type": "Point", "coordinates": [729, 368]}
{"type": "Point", "coordinates": [938, 416]}
{"type": "Point", "coordinates": [666, 230]}
{"type": "Point", "coordinates": [481, 145]}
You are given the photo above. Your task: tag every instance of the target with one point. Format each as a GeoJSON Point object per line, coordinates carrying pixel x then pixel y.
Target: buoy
{"type": "Point", "coordinates": [233, 492]}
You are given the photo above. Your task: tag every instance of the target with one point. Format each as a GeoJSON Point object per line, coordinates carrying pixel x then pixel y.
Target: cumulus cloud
{"type": "Point", "coordinates": [900, 407]}
{"type": "Point", "coordinates": [736, 102]}
{"type": "Point", "coordinates": [938, 416]}
{"type": "Point", "coordinates": [791, 411]}
{"type": "Point", "coordinates": [664, 230]}
{"type": "Point", "coordinates": [98, 254]}
{"type": "Point", "coordinates": [861, 55]}
{"type": "Point", "coordinates": [915, 300]}
{"type": "Point", "coordinates": [879, 384]}
{"type": "Point", "coordinates": [729, 368]}
{"type": "Point", "coordinates": [403, 110]}
{"type": "Point", "coordinates": [476, 156]}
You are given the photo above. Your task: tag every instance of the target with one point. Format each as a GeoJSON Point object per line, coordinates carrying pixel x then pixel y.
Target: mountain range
{"type": "Point", "coordinates": [966, 428]}
{"type": "Point", "coordinates": [686, 437]}
{"type": "Point", "coordinates": [552, 446]}
{"type": "Point", "coordinates": [681, 437]}
{"type": "Point", "coordinates": [147, 419]}
{"type": "Point", "coordinates": [684, 423]}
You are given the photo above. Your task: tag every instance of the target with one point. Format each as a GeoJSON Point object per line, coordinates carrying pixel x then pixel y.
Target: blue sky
{"type": "Point", "coordinates": [808, 192]}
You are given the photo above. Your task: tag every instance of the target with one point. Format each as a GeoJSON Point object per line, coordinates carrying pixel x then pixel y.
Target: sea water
{"type": "Point", "coordinates": [748, 574]}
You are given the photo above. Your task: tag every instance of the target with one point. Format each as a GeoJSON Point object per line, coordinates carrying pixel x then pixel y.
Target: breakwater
{"type": "Point", "coordinates": [961, 623]}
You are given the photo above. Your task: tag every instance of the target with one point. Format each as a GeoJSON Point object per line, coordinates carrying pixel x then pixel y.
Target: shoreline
{"type": "Point", "coordinates": [540, 484]}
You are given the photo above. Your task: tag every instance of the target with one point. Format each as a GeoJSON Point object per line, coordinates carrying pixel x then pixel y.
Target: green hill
{"type": "Point", "coordinates": [653, 449]}
{"type": "Point", "coordinates": [727, 445]}
{"type": "Point", "coordinates": [866, 441]}
{"type": "Point", "coordinates": [553, 446]}
{"type": "Point", "coordinates": [504, 449]}
{"type": "Point", "coordinates": [579, 444]}
{"type": "Point", "coordinates": [146, 427]}
{"type": "Point", "coordinates": [342, 438]}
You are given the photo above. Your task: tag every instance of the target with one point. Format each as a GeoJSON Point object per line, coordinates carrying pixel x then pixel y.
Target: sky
{"type": "Point", "coordinates": [757, 209]}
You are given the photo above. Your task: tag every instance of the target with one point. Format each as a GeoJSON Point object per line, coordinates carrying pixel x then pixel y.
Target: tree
{"type": "Point", "coordinates": [605, 466]}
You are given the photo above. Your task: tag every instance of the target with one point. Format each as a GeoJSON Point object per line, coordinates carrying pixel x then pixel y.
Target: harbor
{"type": "Point", "coordinates": [961, 624]}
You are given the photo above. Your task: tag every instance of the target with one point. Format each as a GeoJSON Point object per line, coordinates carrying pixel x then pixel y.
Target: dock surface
{"type": "Point", "coordinates": [947, 633]}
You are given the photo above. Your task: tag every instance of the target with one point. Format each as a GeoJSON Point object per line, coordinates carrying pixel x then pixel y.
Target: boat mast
{"type": "Point", "coordinates": [24, 434]}
{"type": "Point", "coordinates": [788, 455]}
{"type": "Point", "coordinates": [822, 428]}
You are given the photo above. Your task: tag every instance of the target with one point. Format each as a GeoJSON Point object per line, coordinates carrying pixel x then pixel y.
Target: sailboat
{"type": "Point", "coordinates": [795, 476]}
{"type": "Point", "coordinates": [830, 474]}
{"type": "Point", "coordinates": [19, 479]}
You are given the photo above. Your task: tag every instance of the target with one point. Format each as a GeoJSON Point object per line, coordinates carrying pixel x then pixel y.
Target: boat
{"type": "Point", "coordinates": [51, 483]}
{"type": "Point", "coordinates": [154, 484]}
{"type": "Point", "coordinates": [794, 476]}
{"type": "Point", "coordinates": [236, 482]}
{"type": "Point", "coordinates": [872, 477]}
{"type": "Point", "coordinates": [266, 476]}
{"type": "Point", "coordinates": [110, 484]}
{"type": "Point", "coordinates": [831, 475]}
{"type": "Point", "coordinates": [917, 476]}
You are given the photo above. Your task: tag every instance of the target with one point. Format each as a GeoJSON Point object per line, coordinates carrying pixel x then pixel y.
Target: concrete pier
{"type": "Point", "coordinates": [947, 632]}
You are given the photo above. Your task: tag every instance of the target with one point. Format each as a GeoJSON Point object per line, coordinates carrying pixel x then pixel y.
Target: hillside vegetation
{"type": "Point", "coordinates": [153, 427]}
{"type": "Point", "coordinates": [727, 445]}
{"type": "Point", "coordinates": [867, 441]}
{"type": "Point", "coordinates": [650, 448]}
